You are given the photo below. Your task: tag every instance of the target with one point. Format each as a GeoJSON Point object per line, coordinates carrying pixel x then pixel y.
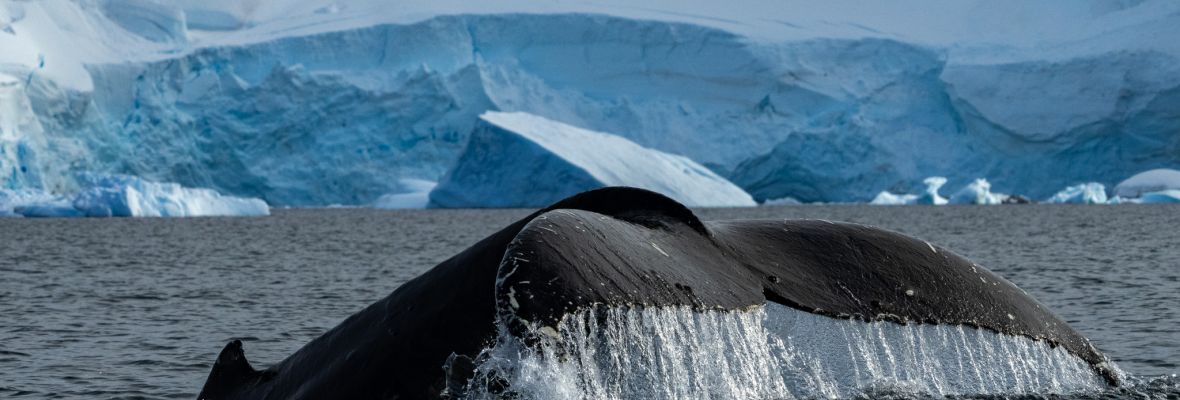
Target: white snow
{"type": "Point", "coordinates": [412, 193]}
{"type": "Point", "coordinates": [523, 160]}
{"type": "Point", "coordinates": [1086, 193]}
{"type": "Point", "coordinates": [1148, 181]}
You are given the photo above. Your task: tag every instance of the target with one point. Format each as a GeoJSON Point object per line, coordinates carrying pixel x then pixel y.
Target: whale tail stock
{"type": "Point", "coordinates": [629, 247]}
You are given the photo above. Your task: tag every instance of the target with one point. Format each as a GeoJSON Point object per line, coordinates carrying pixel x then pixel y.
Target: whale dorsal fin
{"type": "Point", "coordinates": [229, 372]}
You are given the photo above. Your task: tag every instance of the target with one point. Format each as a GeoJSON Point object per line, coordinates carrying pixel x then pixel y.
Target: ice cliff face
{"type": "Point", "coordinates": [303, 103]}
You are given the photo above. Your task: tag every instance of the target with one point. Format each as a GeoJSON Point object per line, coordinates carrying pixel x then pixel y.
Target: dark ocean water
{"type": "Point", "coordinates": [138, 308]}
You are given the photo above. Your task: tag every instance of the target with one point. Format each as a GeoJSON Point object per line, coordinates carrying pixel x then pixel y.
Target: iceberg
{"type": "Point", "coordinates": [129, 196]}
{"type": "Point", "coordinates": [977, 192]}
{"type": "Point", "coordinates": [929, 197]}
{"type": "Point", "coordinates": [523, 160]}
{"type": "Point", "coordinates": [1156, 180]}
{"type": "Point", "coordinates": [783, 201]}
{"type": "Point", "coordinates": [1086, 193]}
{"type": "Point", "coordinates": [885, 198]}
{"type": "Point", "coordinates": [411, 193]}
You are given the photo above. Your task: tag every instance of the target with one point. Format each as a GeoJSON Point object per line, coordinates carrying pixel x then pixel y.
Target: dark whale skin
{"type": "Point", "coordinates": [631, 247]}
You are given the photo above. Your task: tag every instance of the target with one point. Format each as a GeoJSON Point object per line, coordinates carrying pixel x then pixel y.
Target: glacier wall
{"type": "Point", "coordinates": [338, 117]}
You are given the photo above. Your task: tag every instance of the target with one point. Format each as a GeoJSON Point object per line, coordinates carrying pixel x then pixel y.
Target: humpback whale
{"type": "Point", "coordinates": [621, 246]}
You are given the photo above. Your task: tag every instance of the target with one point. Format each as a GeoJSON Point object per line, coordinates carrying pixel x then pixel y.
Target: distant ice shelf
{"type": "Point", "coordinates": [523, 160]}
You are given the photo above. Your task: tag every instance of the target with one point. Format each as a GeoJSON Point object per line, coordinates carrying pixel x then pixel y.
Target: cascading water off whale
{"type": "Point", "coordinates": [621, 292]}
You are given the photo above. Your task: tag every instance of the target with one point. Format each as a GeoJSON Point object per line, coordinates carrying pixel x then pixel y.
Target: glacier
{"type": "Point", "coordinates": [128, 196]}
{"type": "Point", "coordinates": [315, 102]}
{"type": "Point", "coordinates": [523, 160]}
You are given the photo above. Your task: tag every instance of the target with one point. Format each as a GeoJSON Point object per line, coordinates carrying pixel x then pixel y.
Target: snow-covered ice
{"type": "Point", "coordinates": [314, 102]}
{"type": "Point", "coordinates": [1155, 180]}
{"type": "Point", "coordinates": [523, 160]}
{"type": "Point", "coordinates": [412, 193]}
{"type": "Point", "coordinates": [1086, 193]}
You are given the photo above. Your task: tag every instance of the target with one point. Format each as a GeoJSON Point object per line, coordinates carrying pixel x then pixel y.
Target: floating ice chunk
{"type": "Point", "coordinates": [1086, 193]}
{"type": "Point", "coordinates": [1163, 196]}
{"type": "Point", "coordinates": [889, 199]}
{"type": "Point", "coordinates": [412, 193]}
{"type": "Point", "coordinates": [977, 192]}
{"type": "Point", "coordinates": [129, 196]}
{"type": "Point", "coordinates": [782, 201]}
{"type": "Point", "coordinates": [930, 196]}
{"type": "Point", "coordinates": [523, 160]}
{"type": "Point", "coordinates": [1156, 180]}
